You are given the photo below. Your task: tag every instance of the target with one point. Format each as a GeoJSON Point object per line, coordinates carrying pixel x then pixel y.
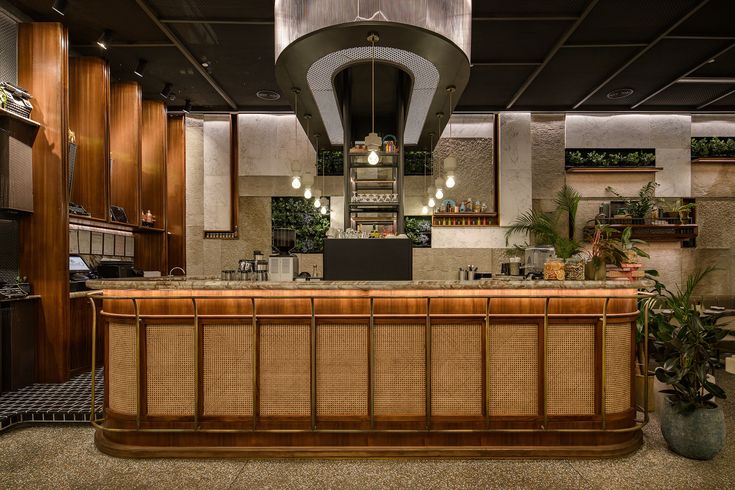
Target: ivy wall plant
{"type": "Point", "coordinates": [416, 162]}
{"type": "Point", "coordinates": [418, 229]}
{"type": "Point", "coordinates": [713, 147]}
{"type": "Point", "coordinates": [331, 162]}
{"type": "Point", "coordinates": [620, 158]}
{"type": "Point", "coordinates": [301, 215]}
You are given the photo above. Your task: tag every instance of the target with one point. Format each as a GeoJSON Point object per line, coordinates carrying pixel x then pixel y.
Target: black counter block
{"type": "Point", "coordinates": [387, 259]}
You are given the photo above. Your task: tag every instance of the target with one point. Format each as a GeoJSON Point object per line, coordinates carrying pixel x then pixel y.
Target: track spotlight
{"type": "Point", "coordinates": [187, 106]}
{"type": "Point", "coordinates": [59, 6]}
{"type": "Point", "coordinates": [140, 68]}
{"type": "Point", "coordinates": [104, 39]}
{"type": "Point", "coordinates": [166, 91]}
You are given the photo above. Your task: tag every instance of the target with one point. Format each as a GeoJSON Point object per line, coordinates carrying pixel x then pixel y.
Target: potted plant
{"type": "Point", "coordinates": [639, 209]}
{"type": "Point", "coordinates": [685, 345]}
{"type": "Point", "coordinates": [684, 211]}
{"type": "Point", "coordinates": [605, 249]}
{"type": "Point", "coordinates": [548, 229]}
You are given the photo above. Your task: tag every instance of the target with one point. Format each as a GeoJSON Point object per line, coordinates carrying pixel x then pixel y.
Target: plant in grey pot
{"type": "Point", "coordinates": [692, 423]}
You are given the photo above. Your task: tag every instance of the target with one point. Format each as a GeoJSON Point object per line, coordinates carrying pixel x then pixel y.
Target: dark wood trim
{"type": "Point", "coordinates": [234, 173]}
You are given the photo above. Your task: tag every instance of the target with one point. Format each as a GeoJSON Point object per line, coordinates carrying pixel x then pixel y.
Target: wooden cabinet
{"type": "Point", "coordinates": [89, 97]}
{"type": "Point", "coordinates": [125, 148]}
{"type": "Point", "coordinates": [153, 162]}
{"type": "Point", "coordinates": [42, 70]}
{"type": "Point", "coordinates": [80, 345]}
{"type": "Point", "coordinates": [176, 192]}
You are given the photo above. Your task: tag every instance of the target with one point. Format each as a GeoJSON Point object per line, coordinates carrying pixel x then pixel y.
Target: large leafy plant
{"type": "Point", "coordinates": [685, 345]}
{"type": "Point", "coordinates": [418, 230]}
{"type": "Point", "coordinates": [549, 228]}
{"type": "Point", "coordinates": [643, 205]}
{"type": "Point", "coordinates": [300, 214]}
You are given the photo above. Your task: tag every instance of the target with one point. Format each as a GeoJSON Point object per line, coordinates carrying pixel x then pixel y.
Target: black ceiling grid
{"type": "Point", "coordinates": [510, 41]}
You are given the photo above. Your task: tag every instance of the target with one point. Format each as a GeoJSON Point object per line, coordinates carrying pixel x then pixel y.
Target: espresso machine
{"type": "Point", "coordinates": [283, 266]}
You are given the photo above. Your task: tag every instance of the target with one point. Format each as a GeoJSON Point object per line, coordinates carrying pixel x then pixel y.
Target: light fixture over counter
{"type": "Point", "coordinates": [429, 40]}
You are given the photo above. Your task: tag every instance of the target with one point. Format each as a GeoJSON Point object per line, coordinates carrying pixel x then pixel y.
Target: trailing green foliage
{"type": "Point", "coordinates": [416, 162]}
{"type": "Point", "coordinates": [301, 215]}
{"type": "Point", "coordinates": [685, 344]}
{"type": "Point", "coordinates": [331, 162]}
{"type": "Point", "coordinates": [713, 147]}
{"type": "Point", "coordinates": [610, 158]}
{"type": "Point", "coordinates": [418, 229]}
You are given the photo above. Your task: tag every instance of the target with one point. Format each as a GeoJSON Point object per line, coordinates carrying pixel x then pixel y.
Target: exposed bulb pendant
{"type": "Point", "coordinates": [431, 202]}
{"type": "Point", "coordinates": [450, 163]}
{"type": "Point", "coordinates": [295, 174]}
{"type": "Point", "coordinates": [308, 183]}
{"type": "Point", "coordinates": [372, 140]}
{"type": "Point", "coordinates": [295, 164]}
{"type": "Point", "coordinates": [323, 210]}
{"type": "Point", "coordinates": [439, 184]}
{"type": "Point", "coordinates": [425, 210]}
{"type": "Point", "coordinates": [318, 200]}
{"type": "Point", "coordinates": [296, 182]}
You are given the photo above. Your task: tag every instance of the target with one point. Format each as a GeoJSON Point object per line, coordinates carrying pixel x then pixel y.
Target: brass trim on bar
{"type": "Point", "coordinates": [603, 366]}
{"type": "Point", "coordinates": [93, 413]}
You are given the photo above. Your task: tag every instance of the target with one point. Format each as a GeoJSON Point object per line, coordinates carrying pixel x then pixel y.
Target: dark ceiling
{"type": "Point", "coordinates": [540, 55]}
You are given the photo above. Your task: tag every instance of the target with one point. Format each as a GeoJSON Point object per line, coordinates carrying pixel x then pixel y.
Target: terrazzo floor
{"type": "Point", "coordinates": [62, 457]}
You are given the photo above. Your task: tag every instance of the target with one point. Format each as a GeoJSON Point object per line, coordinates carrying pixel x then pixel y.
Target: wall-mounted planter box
{"type": "Point", "coordinates": [713, 150]}
{"type": "Point", "coordinates": [610, 159]}
{"type": "Point", "coordinates": [594, 170]}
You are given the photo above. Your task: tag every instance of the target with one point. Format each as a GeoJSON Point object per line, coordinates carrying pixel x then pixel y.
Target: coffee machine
{"type": "Point", "coordinates": [283, 266]}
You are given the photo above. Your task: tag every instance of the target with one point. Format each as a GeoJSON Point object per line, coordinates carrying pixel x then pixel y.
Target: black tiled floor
{"type": "Point", "coordinates": [63, 402]}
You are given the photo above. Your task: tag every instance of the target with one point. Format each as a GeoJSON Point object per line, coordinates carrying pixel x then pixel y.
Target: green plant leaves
{"type": "Point", "coordinates": [610, 158]}
{"type": "Point", "coordinates": [300, 214]}
{"type": "Point", "coordinates": [712, 147]}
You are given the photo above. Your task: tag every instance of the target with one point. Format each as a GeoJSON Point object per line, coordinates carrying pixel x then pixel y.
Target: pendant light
{"type": "Point", "coordinates": [372, 140]}
{"type": "Point", "coordinates": [322, 202]}
{"type": "Point", "coordinates": [439, 184]}
{"type": "Point", "coordinates": [437, 190]}
{"type": "Point", "coordinates": [426, 207]}
{"type": "Point", "coordinates": [295, 164]}
{"type": "Point", "coordinates": [308, 183]}
{"type": "Point", "coordinates": [450, 163]}
{"type": "Point", "coordinates": [430, 202]}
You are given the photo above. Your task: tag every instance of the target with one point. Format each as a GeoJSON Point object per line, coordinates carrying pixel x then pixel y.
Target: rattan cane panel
{"type": "Point", "coordinates": [617, 368]}
{"type": "Point", "coordinates": [228, 369]}
{"type": "Point", "coordinates": [513, 369]}
{"type": "Point", "coordinates": [571, 370]}
{"type": "Point", "coordinates": [170, 369]}
{"type": "Point", "coordinates": [456, 369]}
{"type": "Point", "coordinates": [285, 370]}
{"type": "Point", "coordinates": [400, 371]}
{"type": "Point", "coordinates": [122, 394]}
{"type": "Point", "coordinates": [342, 370]}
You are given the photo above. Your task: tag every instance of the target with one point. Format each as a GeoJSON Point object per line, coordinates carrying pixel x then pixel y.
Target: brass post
{"type": "Point", "coordinates": [546, 362]}
{"type": "Point", "coordinates": [254, 360]}
{"type": "Point", "coordinates": [312, 342]}
{"type": "Point", "coordinates": [139, 401]}
{"type": "Point", "coordinates": [196, 364]}
{"type": "Point", "coordinates": [427, 363]}
{"type": "Point", "coordinates": [371, 355]}
{"type": "Point", "coordinates": [486, 401]}
{"type": "Point", "coordinates": [603, 390]}
{"type": "Point", "coordinates": [94, 358]}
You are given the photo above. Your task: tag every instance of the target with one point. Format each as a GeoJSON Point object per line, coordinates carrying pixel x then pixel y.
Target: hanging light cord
{"type": "Point", "coordinates": [372, 84]}
{"type": "Point", "coordinates": [450, 114]}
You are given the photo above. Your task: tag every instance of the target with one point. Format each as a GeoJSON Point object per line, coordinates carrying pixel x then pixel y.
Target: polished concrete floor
{"type": "Point", "coordinates": [64, 456]}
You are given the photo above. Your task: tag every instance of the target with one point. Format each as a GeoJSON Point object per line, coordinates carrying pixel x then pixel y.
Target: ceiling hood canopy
{"type": "Point", "coordinates": [429, 40]}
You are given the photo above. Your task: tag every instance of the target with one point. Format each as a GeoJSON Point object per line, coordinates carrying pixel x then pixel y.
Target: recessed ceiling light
{"type": "Point", "coordinates": [187, 106]}
{"type": "Point", "coordinates": [205, 64]}
{"type": "Point", "coordinates": [268, 95]}
{"type": "Point", "coordinates": [59, 6]}
{"type": "Point", "coordinates": [140, 68]}
{"type": "Point", "coordinates": [620, 93]}
{"type": "Point", "coordinates": [104, 39]}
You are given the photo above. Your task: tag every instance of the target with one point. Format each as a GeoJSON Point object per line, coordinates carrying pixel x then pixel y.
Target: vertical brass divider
{"type": "Point", "coordinates": [93, 411]}
{"type": "Point", "coordinates": [312, 344]}
{"type": "Point", "coordinates": [371, 363]}
{"type": "Point", "coordinates": [486, 362]}
{"type": "Point", "coordinates": [546, 363]}
{"type": "Point", "coordinates": [427, 363]}
{"type": "Point", "coordinates": [645, 361]}
{"type": "Point", "coordinates": [603, 366]}
{"type": "Point", "coordinates": [254, 361]}
{"type": "Point", "coordinates": [139, 401]}
{"type": "Point", "coordinates": [197, 367]}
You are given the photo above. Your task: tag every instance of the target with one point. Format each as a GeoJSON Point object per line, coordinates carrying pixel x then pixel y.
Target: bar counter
{"type": "Point", "coordinates": [200, 367]}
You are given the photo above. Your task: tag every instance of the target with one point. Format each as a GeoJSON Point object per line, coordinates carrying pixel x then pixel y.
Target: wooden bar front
{"type": "Point", "coordinates": [369, 372]}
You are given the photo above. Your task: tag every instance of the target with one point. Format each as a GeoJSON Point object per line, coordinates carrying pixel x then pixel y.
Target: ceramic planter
{"type": "Point", "coordinates": [698, 435]}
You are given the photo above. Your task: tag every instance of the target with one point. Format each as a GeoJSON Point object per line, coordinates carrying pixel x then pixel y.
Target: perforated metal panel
{"type": "Point", "coordinates": [425, 81]}
{"type": "Point", "coordinates": [8, 49]}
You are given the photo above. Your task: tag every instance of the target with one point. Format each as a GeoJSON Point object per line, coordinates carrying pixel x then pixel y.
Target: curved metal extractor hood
{"type": "Point", "coordinates": [429, 40]}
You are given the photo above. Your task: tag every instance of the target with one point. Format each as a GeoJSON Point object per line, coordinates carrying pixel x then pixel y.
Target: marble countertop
{"type": "Point", "coordinates": [203, 283]}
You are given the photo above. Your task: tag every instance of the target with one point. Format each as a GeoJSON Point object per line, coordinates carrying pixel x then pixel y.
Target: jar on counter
{"type": "Point", "coordinates": [574, 270]}
{"type": "Point", "coordinates": [554, 270]}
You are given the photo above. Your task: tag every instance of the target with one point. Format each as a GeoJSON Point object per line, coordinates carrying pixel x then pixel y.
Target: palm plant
{"type": "Point", "coordinates": [547, 228]}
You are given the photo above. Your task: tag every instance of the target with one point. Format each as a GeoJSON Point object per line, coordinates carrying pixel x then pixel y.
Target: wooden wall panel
{"type": "Point", "coordinates": [125, 134]}
{"type": "Point", "coordinates": [80, 345]}
{"type": "Point", "coordinates": [153, 161]}
{"type": "Point", "coordinates": [89, 92]}
{"type": "Point", "coordinates": [42, 70]}
{"type": "Point", "coordinates": [176, 192]}
{"type": "Point", "coordinates": [150, 251]}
